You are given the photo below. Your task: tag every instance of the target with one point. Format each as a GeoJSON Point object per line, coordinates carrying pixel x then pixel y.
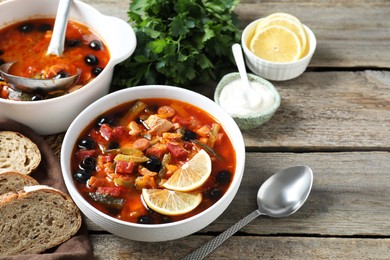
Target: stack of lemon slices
{"type": "Point", "coordinates": [179, 197]}
{"type": "Point", "coordinates": [279, 37]}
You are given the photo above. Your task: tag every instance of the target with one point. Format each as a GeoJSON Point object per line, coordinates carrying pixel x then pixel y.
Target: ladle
{"type": "Point", "coordinates": [279, 196]}
{"type": "Point", "coordinates": [56, 47]}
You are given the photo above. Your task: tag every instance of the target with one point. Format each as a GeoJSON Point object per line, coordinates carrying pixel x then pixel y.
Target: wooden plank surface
{"type": "Point", "coordinates": [329, 111]}
{"type": "Point", "coordinates": [334, 118]}
{"type": "Point", "coordinates": [245, 247]}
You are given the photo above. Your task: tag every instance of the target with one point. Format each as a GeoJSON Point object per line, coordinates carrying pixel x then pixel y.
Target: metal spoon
{"type": "Point", "coordinates": [251, 95]}
{"type": "Point", "coordinates": [56, 47]}
{"type": "Point", "coordinates": [279, 196]}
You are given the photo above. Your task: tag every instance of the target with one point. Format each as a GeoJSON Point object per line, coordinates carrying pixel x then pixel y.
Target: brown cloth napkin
{"type": "Point", "coordinates": [49, 173]}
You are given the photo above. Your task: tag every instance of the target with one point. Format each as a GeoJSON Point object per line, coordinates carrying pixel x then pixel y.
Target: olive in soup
{"type": "Point", "coordinates": [140, 148]}
{"type": "Point", "coordinates": [26, 44]}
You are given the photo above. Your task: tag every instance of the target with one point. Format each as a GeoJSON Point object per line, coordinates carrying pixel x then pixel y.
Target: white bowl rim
{"type": "Point", "coordinates": [235, 182]}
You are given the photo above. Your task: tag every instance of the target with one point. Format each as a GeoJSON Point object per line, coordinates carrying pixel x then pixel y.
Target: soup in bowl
{"type": "Point", "coordinates": [153, 163]}
{"type": "Point", "coordinates": [117, 38]}
{"type": "Point", "coordinates": [25, 44]}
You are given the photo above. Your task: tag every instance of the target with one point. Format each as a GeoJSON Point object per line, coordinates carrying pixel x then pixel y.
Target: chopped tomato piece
{"type": "Point", "coordinates": [182, 121]}
{"type": "Point", "coordinates": [120, 132]}
{"type": "Point", "coordinates": [126, 168]}
{"type": "Point", "coordinates": [157, 150]}
{"type": "Point", "coordinates": [176, 150]}
{"type": "Point", "coordinates": [112, 191]}
{"type": "Point", "coordinates": [109, 133]}
{"type": "Point", "coordinates": [107, 158]}
{"type": "Point", "coordinates": [85, 153]}
{"type": "Point", "coordinates": [188, 145]}
{"type": "Point", "coordinates": [106, 131]}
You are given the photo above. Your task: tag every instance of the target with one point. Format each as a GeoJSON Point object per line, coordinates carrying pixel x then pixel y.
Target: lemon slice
{"type": "Point", "coordinates": [192, 174]}
{"type": "Point", "coordinates": [283, 15]}
{"type": "Point", "coordinates": [293, 24]}
{"type": "Point", "coordinates": [171, 203]}
{"type": "Point", "coordinates": [277, 44]}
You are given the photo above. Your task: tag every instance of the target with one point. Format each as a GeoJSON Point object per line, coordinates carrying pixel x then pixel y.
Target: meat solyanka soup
{"type": "Point", "coordinates": [153, 161]}
{"type": "Point", "coordinates": [26, 44]}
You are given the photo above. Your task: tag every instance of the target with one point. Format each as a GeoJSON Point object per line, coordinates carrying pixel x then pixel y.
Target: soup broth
{"type": "Point", "coordinates": [26, 44]}
{"type": "Point", "coordinates": [115, 187]}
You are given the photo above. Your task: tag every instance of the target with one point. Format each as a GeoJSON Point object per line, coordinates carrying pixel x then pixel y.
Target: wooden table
{"type": "Point", "coordinates": [334, 118]}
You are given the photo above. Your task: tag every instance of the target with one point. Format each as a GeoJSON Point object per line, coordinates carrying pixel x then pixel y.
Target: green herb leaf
{"type": "Point", "coordinates": [180, 42]}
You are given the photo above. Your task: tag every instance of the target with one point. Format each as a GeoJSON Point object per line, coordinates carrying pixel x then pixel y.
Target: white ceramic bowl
{"type": "Point", "coordinates": [276, 70]}
{"type": "Point", "coordinates": [252, 120]}
{"type": "Point", "coordinates": [55, 115]}
{"type": "Point", "coordinates": [152, 232]}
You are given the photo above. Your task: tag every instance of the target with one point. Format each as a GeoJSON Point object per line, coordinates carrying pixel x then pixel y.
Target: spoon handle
{"type": "Point", "coordinates": [56, 46]}
{"type": "Point", "coordinates": [207, 248]}
{"type": "Point", "coordinates": [239, 58]}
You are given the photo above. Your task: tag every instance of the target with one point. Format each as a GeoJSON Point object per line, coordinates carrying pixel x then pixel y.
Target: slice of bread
{"type": "Point", "coordinates": [18, 153]}
{"type": "Point", "coordinates": [15, 181]}
{"type": "Point", "coordinates": [36, 219]}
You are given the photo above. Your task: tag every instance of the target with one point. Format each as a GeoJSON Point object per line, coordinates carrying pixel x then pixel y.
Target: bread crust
{"type": "Point", "coordinates": [14, 181]}
{"type": "Point", "coordinates": [18, 153]}
{"type": "Point", "coordinates": [35, 219]}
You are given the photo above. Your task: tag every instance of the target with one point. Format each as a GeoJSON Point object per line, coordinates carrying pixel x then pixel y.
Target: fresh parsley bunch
{"type": "Point", "coordinates": [180, 42]}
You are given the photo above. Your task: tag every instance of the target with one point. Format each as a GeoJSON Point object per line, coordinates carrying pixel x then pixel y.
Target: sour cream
{"type": "Point", "coordinates": [234, 100]}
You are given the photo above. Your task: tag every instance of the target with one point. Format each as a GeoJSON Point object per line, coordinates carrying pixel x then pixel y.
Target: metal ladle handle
{"type": "Point", "coordinates": [207, 248]}
{"type": "Point", "coordinates": [56, 46]}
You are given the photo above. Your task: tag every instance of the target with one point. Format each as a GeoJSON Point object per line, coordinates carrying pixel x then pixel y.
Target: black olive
{"type": "Point", "coordinates": [88, 164]}
{"type": "Point", "coordinates": [105, 120]}
{"type": "Point", "coordinates": [62, 74]}
{"type": "Point", "coordinates": [1, 52]}
{"type": "Point", "coordinates": [224, 177]}
{"type": "Point", "coordinates": [2, 61]}
{"type": "Point", "coordinates": [166, 219]}
{"type": "Point", "coordinates": [153, 164]}
{"type": "Point", "coordinates": [113, 211]}
{"type": "Point", "coordinates": [73, 43]}
{"type": "Point", "coordinates": [81, 176]}
{"type": "Point", "coordinates": [26, 27]}
{"type": "Point", "coordinates": [36, 97]}
{"type": "Point", "coordinates": [91, 60]}
{"type": "Point", "coordinates": [145, 220]}
{"type": "Point", "coordinates": [214, 194]}
{"type": "Point", "coordinates": [113, 145]}
{"type": "Point", "coordinates": [96, 71]}
{"type": "Point", "coordinates": [86, 144]}
{"type": "Point", "coordinates": [95, 45]}
{"type": "Point", "coordinates": [189, 135]}
{"type": "Point", "coordinates": [44, 27]}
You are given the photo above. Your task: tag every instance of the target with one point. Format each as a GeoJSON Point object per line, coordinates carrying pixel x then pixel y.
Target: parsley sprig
{"type": "Point", "coordinates": [180, 42]}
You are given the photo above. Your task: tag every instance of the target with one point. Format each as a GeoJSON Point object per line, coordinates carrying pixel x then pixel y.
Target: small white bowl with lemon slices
{"type": "Point", "coordinates": [278, 47]}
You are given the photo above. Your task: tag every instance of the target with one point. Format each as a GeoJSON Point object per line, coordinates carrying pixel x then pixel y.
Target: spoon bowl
{"type": "Point", "coordinates": [280, 196]}
{"type": "Point", "coordinates": [285, 191]}
{"type": "Point", "coordinates": [30, 85]}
